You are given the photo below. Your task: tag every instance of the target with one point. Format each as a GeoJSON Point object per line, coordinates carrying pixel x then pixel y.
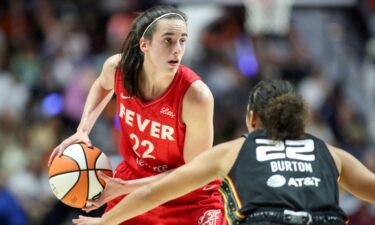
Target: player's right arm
{"type": "Point", "coordinates": [354, 176]}
{"type": "Point", "coordinates": [207, 166]}
{"type": "Point", "coordinates": [99, 95]}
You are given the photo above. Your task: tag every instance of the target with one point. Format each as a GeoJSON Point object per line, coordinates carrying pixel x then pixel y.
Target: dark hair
{"type": "Point", "coordinates": [132, 56]}
{"type": "Point", "coordinates": [282, 112]}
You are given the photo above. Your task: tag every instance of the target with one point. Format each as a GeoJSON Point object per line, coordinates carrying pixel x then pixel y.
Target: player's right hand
{"type": "Point", "coordinates": [78, 137]}
{"type": "Point", "coordinates": [114, 187]}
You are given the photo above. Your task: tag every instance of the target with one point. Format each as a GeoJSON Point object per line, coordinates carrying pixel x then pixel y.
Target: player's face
{"type": "Point", "coordinates": [168, 45]}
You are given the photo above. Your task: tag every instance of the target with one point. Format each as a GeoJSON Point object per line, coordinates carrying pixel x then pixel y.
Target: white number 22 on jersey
{"type": "Point", "coordinates": [291, 149]}
{"type": "Point", "coordinates": [144, 143]}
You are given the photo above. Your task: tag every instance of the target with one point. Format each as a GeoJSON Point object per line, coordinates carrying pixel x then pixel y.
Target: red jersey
{"type": "Point", "coordinates": [152, 142]}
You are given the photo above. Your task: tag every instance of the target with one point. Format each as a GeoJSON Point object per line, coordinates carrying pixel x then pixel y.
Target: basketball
{"type": "Point", "coordinates": [74, 177]}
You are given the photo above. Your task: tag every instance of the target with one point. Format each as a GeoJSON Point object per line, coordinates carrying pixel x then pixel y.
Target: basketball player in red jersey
{"type": "Point", "coordinates": [166, 115]}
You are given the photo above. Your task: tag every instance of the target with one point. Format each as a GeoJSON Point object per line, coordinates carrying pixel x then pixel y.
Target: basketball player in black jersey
{"type": "Point", "coordinates": [275, 174]}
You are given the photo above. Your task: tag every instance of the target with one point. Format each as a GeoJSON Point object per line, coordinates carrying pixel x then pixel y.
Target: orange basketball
{"type": "Point", "coordinates": [74, 177]}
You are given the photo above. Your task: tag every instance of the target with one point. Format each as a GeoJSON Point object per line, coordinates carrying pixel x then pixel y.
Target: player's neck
{"type": "Point", "coordinates": [153, 83]}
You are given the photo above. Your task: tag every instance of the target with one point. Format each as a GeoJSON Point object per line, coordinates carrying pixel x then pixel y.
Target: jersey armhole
{"type": "Point", "coordinates": [332, 160]}
{"type": "Point", "coordinates": [180, 103]}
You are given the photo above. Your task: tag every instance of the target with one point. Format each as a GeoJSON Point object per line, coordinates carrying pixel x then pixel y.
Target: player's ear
{"type": "Point", "coordinates": [143, 44]}
{"type": "Point", "coordinates": [251, 120]}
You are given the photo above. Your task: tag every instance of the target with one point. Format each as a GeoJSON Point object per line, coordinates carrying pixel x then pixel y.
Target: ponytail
{"type": "Point", "coordinates": [282, 112]}
{"type": "Point", "coordinates": [284, 117]}
{"type": "Point", "coordinates": [131, 62]}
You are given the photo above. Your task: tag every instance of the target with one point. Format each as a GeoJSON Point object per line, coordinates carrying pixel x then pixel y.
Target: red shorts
{"type": "Point", "coordinates": [201, 207]}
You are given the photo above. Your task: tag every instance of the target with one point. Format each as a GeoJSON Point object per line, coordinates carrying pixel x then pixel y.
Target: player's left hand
{"type": "Point", "coordinates": [84, 220]}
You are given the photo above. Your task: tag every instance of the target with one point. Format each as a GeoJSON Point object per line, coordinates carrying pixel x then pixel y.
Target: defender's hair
{"type": "Point", "coordinates": [282, 112]}
{"type": "Point", "coordinates": [132, 56]}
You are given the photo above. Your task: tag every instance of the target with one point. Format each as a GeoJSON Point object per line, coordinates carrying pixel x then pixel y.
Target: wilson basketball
{"type": "Point", "coordinates": [74, 177]}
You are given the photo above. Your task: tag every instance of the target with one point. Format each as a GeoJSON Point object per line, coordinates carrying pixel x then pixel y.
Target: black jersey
{"type": "Point", "coordinates": [299, 175]}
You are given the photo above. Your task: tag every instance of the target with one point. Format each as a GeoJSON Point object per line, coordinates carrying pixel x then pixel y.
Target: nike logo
{"type": "Point", "coordinates": [124, 96]}
{"type": "Point", "coordinates": [207, 188]}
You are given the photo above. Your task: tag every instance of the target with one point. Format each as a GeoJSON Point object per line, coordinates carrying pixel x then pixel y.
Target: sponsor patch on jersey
{"type": "Point", "coordinates": [210, 217]}
{"type": "Point", "coordinates": [276, 180]}
{"type": "Point", "coordinates": [167, 111]}
{"type": "Point", "coordinates": [304, 181]}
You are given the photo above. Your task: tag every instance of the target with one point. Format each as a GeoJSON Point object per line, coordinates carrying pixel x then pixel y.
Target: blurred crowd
{"type": "Point", "coordinates": [51, 51]}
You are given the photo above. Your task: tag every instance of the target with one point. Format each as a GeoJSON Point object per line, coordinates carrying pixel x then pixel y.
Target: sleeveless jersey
{"type": "Point", "coordinates": [152, 142]}
{"type": "Point", "coordinates": [152, 133]}
{"type": "Point", "coordinates": [298, 175]}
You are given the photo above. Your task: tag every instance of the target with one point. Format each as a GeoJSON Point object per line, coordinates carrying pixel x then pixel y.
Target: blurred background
{"type": "Point", "coordinates": [51, 51]}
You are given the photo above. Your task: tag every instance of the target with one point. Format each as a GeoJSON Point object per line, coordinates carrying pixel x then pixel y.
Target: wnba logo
{"type": "Point", "coordinates": [210, 217]}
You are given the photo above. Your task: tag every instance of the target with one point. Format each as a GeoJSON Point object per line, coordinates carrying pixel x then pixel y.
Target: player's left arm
{"type": "Point", "coordinates": [197, 114]}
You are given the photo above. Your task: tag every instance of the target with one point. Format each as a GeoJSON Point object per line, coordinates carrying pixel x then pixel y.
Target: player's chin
{"type": "Point", "coordinates": [173, 68]}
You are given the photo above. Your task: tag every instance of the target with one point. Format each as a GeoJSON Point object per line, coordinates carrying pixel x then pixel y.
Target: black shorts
{"type": "Point", "coordinates": [276, 223]}
{"type": "Point", "coordinates": [288, 217]}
